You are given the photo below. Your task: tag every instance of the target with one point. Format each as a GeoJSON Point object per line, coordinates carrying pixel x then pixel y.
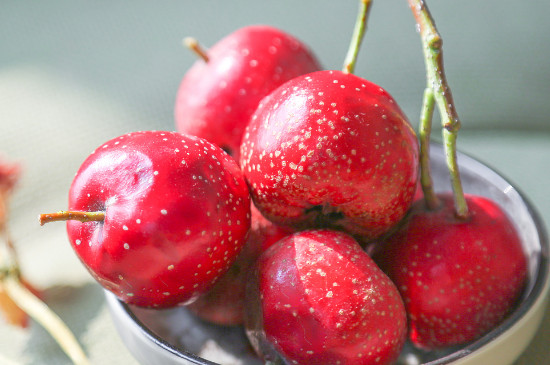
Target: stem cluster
{"type": "Point", "coordinates": [437, 91]}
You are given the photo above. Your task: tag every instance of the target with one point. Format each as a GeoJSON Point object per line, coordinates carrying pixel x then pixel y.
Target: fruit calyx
{"type": "Point", "coordinates": [325, 215]}
{"type": "Point", "coordinates": [65, 215]}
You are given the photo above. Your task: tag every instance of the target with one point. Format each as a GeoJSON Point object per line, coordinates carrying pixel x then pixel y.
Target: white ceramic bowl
{"type": "Point", "coordinates": [174, 336]}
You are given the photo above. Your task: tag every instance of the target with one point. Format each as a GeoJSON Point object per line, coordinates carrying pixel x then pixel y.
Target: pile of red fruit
{"type": "Point", "coordinates": [287, 201]}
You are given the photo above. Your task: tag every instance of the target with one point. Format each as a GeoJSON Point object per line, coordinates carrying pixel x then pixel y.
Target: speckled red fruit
{"type": "Point", "coordinates": [458, 279]}
{"type": "Point", "coordinates": [216, 98]}
{"type": "Point", "coordinates": [318, 298]}
{"type": "Point", "coordinates": [224, 303]}
{"type": "Point", "coordinates": [177, 211]}
{"type": "Point", "coordinates": [331, 149]}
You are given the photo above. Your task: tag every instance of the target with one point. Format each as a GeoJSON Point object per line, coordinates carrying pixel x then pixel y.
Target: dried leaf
{"type": "Point", "coordinates": [10, 311]}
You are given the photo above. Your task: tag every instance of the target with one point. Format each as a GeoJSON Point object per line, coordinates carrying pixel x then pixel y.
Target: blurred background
{"type": "Point", "coordinates": [74, 74]}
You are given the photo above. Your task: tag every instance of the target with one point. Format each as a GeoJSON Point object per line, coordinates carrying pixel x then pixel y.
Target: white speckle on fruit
{"type": "Point", "coordinates": [126, 246]}
{"type": "Point", "coordinates": [163, 211]}
{"type": "Point", "coordinates": [78, 242]}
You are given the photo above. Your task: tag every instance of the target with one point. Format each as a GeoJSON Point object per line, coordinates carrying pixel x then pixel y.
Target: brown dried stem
{"type": "Point", "coordinates": [65, 215]}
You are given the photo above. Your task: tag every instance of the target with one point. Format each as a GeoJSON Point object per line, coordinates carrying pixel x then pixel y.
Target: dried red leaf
{"type": "Point", "coordinates": [11, 311]}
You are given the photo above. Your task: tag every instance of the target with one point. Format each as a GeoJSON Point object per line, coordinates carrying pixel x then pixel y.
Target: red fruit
{"type": "Point", "coordinates": [418, 194]}
{"type": "Point", "coordinates": [458, 278]}
{"type": "Point", "coordinates": [176, 214]}
{"type": "Point", "coordinates": [330, 149]}
{"type": "Point", "coordinates": [318, 298]}
{"type": "Point", "coordinates": [9, 175]}
{"type": "Point", "coordinates": [224, 303]}
{"type": "Point", "coordinates": [216, 97]}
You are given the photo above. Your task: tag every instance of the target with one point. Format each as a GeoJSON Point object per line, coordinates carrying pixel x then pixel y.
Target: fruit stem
{"type": "Point", "coordinates": [357, 36]}
{"type": "Point", "coordinates": [64, 215]}
{"type": "Point", "coordinates": [194, 46]}
{"type": "Point", "coordinates": [41, 313]}
{"type": "Point", "coordinates": [436, 80]}
{"type": "Point", "coordinates": [431, 199]}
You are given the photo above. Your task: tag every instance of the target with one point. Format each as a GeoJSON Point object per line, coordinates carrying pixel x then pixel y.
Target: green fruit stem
{"type": "Point", "coordinates": [425, 130]}
{"type": "Point", "coordinates": [441, 94]}
{"type": "Point", "coordinates": [357, 36]}
{"type": "Point", "coordinates": [65, 215]}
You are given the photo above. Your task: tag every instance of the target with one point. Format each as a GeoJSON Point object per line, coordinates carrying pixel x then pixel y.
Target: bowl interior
{"type": "Point", "coordinates": [194, 341]}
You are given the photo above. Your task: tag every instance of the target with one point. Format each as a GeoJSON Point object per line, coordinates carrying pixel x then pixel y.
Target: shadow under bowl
{"type": "Point", "coordinates": [174, 336]}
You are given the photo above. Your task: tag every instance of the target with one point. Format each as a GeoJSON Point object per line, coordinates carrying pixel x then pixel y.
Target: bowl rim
{"type": "Point", "coordinates": [538, 288]}
{"type": "Point", "coordinates": [158, 340]}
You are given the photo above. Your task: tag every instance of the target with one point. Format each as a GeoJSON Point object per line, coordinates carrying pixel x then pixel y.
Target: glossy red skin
{"type": "Point", "coordinates": [458, 279]}
{"type": "Point", "coordinates": [177, 211]}
{"type": "Point", "coordinates": [216, 98]}
{"type": "Point", "coordinates": [318, 298]}
{"type": "Point", "coordinates": [224, 303]}
{"type": "Point", "coordinates": [331, 145]}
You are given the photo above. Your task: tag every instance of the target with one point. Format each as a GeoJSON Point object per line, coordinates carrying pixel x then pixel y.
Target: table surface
{"type": "Point", "coordinates": [73, 75]}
